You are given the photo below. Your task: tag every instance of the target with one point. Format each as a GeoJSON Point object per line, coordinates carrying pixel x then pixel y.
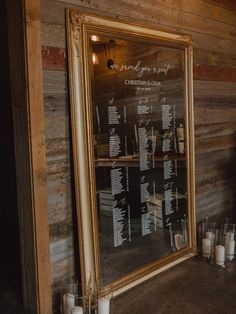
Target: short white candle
{"type": "Point", "coordinates": [206, 247]}
{"type": "Point", "coordinates": [220, 255]}
{"type": "Point", "coordinates": [230, 247]}
{"type": "Point", "coordinates": [104, 305]}
{"type": "Point", "coordinates": [77, 310]}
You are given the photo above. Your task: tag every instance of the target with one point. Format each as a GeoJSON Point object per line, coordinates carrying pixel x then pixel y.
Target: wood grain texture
{"type": "Point", "coordinates": [54, 59]}
{"type": "Point", "coordinates": [36, 120]}
{"type": "Point", "coordinates": [193, 16]}
{"type": "Point", "coordinates": [59, 201]}
{"type": "Point", "coordinates": [229, 4]}
{"type": "Point", "coordinates": [54, 82]}
{"type": "Point", "coordinates": [53, 35]}
{"type": "Point", "coordinates": [203, 29]}
{"type": "Point", "coordinates": [53, 10]}
{"type": "Point", "coordinates": [204, 8]}
{"type": "Point", "coordinates": [56, 116]}
{"type": "Point", "coordinates": [205, 72]}
{"type": "Point", "coordinates": [214, 89]}
{"type": "Point", "coordinates": [213, 27]}
{"type": "Point", "coordinates": [209, 57]}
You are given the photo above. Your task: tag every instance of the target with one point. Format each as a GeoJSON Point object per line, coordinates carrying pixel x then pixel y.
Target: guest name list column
{"type": "Point", "coordinates": [169, 164]}
{"type": "Point", "coordinates": [119, 176]}
{"type": "Point", "coordinates": [144, 111]}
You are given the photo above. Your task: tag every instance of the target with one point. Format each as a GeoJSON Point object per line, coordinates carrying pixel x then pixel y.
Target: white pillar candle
{"type": "Point", "coordinates": [77, 310]}
{"type": "Point", "coordinates": [206, 247]}
{"type": "Point", "coordinates": [220, 255]}
{"type": "Point", "coordinates": [230, 247]}
{"type": "Point", "coordinates": [103, 305]}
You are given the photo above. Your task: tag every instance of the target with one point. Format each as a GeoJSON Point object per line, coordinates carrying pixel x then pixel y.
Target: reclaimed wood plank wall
{"type": "Point", "coordinates": [213, 27]}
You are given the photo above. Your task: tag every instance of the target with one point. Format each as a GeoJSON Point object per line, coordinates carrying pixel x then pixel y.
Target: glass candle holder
{"type": "Point", "coordinates": [72, 301]}
{"type": "Point", "coordinates": [179, 234]}
{"type": "Point", "coordinates": [228, 234]}
{"type": "Point", "coordinates": [104, 297]}
{"type": "Point", "coordinates": [206, 238]}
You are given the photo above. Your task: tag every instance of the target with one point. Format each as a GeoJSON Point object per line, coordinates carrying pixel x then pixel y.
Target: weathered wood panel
{"type": "Point", "coordinates": [54, 10]}
{"type": "Point", "coordinates": [205, 56]}
{"type": "Point", "coordinates": [213, 27]}
{"type": "Point", "coordinates": [214, 89]}
{"type": "Point", "coordinates": [163, 14]}
{"type": "Point", "coordinates": [214, 114]}
{"type": "Point", "coordinates": [56, 117]}
{"type": "Point", "coordinates": [62, 229]}
{"type": "Point", "coordinates": [59, 202]}
{"type": "Point", "coordinates": [214, 73]}
{"type": "Point", "coordinates": [54, 35]}
{"type": "Point", "coordinates": [230, 4]}
{"type": "Point", "coordinates": [215, 129]}
{"type": "Point", "coordinates": [63, 264]}
{"type": "Point", "coordinates": [54, 58]}
{"type": "Point", "coordinates": [55, 82]}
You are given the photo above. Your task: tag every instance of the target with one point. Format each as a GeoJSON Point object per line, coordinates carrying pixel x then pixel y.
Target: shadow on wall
{"type": "Point", "coordinates": [10, 268]}
{"type": "Point", "coordinates": [9, 303]}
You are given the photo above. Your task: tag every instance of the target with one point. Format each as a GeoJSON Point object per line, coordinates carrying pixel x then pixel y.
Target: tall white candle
{"type": "Point", "coordinates": [104, 305]}
{"type": "Point", "coordinates": [206, 247]}
{"type": "Point", "coordinates": [77, 310]}
{"type": "Point", "coordinates": [220, 255]}
{"type": "Point", "coordinates": [230, 247]}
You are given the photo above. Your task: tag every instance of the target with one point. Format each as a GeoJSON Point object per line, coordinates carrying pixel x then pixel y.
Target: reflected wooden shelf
{"type": "Point", "coordinates": [133, 160]}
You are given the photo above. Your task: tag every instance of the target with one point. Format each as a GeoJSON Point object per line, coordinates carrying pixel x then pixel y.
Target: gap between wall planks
{"type": "Point", "coordinates": [28, 115]}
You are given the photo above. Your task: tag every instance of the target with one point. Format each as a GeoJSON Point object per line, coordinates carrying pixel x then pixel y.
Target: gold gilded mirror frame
{"type": "Point", "coordinates": [80, 27]}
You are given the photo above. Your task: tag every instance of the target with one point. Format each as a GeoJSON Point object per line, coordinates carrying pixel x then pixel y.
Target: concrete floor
{"type": "Point", "coordinates": [192, 287]}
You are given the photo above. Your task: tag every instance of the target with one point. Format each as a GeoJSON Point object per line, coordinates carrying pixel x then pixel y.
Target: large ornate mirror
{"type": "Point", "coordinates": [132, 121]}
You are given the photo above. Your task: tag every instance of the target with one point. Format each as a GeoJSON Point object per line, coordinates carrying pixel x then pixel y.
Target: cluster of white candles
{"type": "Point", "coordinates": [219, 250]}
{"type": "Point", "coordinates": [69, 306]}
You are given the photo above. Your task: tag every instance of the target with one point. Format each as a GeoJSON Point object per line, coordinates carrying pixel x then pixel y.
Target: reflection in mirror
{"type": "Point", "coordinates": [139, 114]}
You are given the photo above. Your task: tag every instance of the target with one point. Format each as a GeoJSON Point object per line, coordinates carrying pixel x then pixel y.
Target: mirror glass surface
{"type": "Point", "coordinates": [139, 111]}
